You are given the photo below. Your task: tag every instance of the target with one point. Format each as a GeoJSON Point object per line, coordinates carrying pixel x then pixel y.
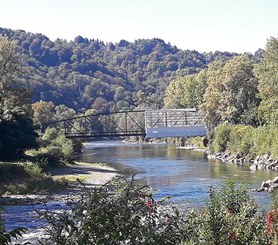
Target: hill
{"type": "Point", "coordinates": [90, 74]}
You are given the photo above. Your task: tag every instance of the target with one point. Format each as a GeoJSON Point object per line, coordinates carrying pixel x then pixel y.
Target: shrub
{"type": "Point", "coordinates": [240, 140]}
{"type": "Point", "coordinates": [55, 140]}
{"type": "Point", "coordinates": [246, 140]}
{"type": "Point", "coordinates": [272, 218]}
{"type": "Point", "coordinates": [221, 138]}
{"type": "Point", "coordinates": [55, 148]}
{"type": "Point", "coordinates": [120, 212]}
{"type": "Point", "coordinates": [230, 217]}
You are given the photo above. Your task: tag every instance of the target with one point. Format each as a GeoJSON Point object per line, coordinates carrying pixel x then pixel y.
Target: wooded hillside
{"type": "Point", "coordinates": [90, 74]}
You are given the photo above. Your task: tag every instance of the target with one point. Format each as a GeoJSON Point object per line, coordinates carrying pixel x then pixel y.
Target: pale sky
{"type": "Point", "coordinates": [202, 25]}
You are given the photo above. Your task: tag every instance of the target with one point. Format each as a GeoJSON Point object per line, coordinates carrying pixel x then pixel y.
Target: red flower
{"type": "Point", "coordinates": [272, 221]}
{"type": "Point", "coordinates": [148, 204]}
{"type": "Point", "coordinates": [232, 235]}
{"type": "Point", "coordinates": [269, 222]}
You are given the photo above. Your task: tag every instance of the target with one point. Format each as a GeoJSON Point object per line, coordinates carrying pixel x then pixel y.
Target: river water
{"type": "Point", "coordinates": [186, 175]}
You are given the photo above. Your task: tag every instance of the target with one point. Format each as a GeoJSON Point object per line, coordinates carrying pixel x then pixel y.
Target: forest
{"type": "Point", "coordinates": [89, 74]}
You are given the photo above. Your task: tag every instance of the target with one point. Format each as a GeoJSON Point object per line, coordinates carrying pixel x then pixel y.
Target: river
{"type": "Point", "coordinates": [183, 174]}
{"type": "Point", "coordinates": [186, 175]}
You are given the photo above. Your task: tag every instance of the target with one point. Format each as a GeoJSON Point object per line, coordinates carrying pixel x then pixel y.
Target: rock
{"type": "Point", "coordinates": [269, 185]}
{"type": "Point", "coordinates": [254, 166]}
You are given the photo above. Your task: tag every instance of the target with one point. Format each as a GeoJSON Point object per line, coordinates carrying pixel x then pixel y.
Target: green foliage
{"type": "Point", "coordinates": [42, 112]}
{"type": "Point", "coordinates": [186, 92]}
{"type": "Point", "coordinates": [17, 133]}
{"type": "Point", "coordinates": [91, 74]}
{"type": "Point", "coordinates": [55, 148]}
{"type": "Point", "coordinates": [231, 93]}
{"type": "Point", "coordinates": [121, 212]}
{"type": "Point", "coordinates": [221, 138]}
{"type": "Point", "coordinates": [23, 178]}
{"type": "Point", "coordinates": [245, 140]}
{"type": "Point", "coordinates": [9, 65]}
{"type": "Point", "coordinates": [241, 138]}
{"type": "Point", "coordinates": [16, 128]}
{"type": "Point", "coordinates": [199, 142]}
{"type": "Point", "coordinates": [230, 217]}
{"type": "Point", "coordinates": [266, 71]}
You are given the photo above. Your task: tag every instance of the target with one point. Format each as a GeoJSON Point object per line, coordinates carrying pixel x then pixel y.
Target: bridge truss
{"type": "Point", "coordinates": [147, 123]}
{"type": "Point", "coordinates": [115, 124]}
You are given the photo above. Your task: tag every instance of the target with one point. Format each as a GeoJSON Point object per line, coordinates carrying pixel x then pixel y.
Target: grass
{"type": "Point", "coordinates": [27, 177]}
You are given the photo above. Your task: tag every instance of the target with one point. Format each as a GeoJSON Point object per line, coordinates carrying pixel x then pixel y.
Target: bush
{"type": "Point", "coordinates": [246, 140]}
{"type": "Point", "coordinates": [16, 133]}
{"type": "Point", "coordinates": [55, 148]}
{"type": "Point", "coordinates": [57, 140]}
{"type": "Point", "coordinates": [240, 140]}
{"type": "Point", "coordinates": [230, 217]}
{"type": "Point", "coordinates": [121, 212]}
{"type": "Point", "coordinates": [221, 138]}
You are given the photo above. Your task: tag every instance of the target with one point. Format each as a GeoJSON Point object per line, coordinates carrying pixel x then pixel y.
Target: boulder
{"type": "Point", "coordinates": [269, 185]}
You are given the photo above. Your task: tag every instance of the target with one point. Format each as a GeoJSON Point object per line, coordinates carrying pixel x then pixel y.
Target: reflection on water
{"type": "Point", "coordinates": [184, 174]}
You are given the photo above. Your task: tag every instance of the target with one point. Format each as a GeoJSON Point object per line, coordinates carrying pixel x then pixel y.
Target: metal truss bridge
{"type": "Point", "coordinates": [147, 123]}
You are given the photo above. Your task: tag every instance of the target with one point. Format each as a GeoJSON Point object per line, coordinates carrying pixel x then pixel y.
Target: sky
{"type": "Point", "coordinates": [202, 25]}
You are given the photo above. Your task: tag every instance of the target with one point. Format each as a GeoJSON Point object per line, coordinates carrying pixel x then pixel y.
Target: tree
{"type": "Point", "coordinates": [63, 112]}
{"type": "Point", "coordinates": [43, 112]}
{"type": "Point", "coordinates": [9, 65]}
{"type": "Point", "coordinates": [13, 88]}
{"type": "Point", "coordinates": [16, 127]}
{"type": "Point", "coordinates": [76, 73]}
{"type": "Point", "coordinates": [186, 91]}
{"type": "Point", "coordinates": [17, 133]}
{"type": "Point", "coordinates": [231, 93]}
{"type": "Point", "coordinates": [267, 73]}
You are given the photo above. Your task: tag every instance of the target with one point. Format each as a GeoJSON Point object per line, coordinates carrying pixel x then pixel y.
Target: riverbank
{"type": "Point", "coordinates": [255, 161]}
{"type": "Point", "coordinates": [21, 210]}
{"type": "Point", "coordinates": [75, 175]}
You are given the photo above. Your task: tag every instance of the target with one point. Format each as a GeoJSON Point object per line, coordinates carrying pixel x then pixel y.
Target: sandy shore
{"type": "Point", "coordinates": [88, 173]}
